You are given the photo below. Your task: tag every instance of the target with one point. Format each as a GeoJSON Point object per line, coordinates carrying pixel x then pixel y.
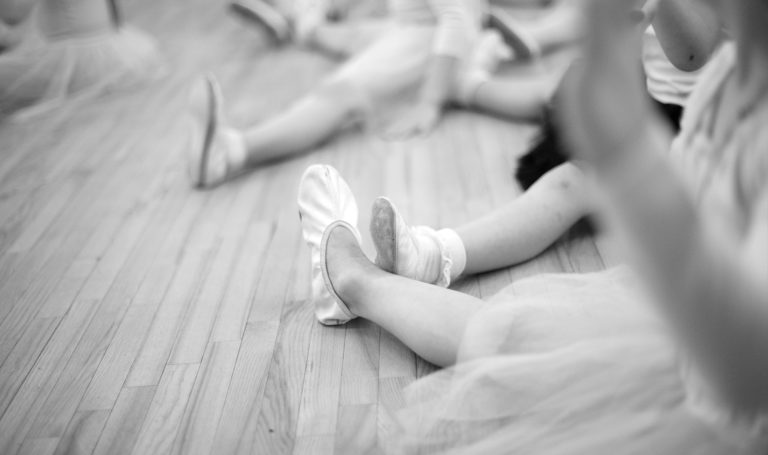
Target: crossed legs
{"type": "Point", "coordinates": [430, 320]}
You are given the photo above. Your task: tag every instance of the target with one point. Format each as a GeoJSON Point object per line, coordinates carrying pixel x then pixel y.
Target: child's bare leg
{"type": "Point", "coordinates": [428, 319]}
{"type": "Point", "coordinates": [527, 225]}
{"type": "Point", "coordinates": [310, 121]}
{"type": "Point", "coordinates": [562, 26]}
{"type": "Point", "coordinates": [517, 98]}
{"type": "Point", "coordinates": [347, 38]}
{"type": "Point", "coordinates": [511, 235]}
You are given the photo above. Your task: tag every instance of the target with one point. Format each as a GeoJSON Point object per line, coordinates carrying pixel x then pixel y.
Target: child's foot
{"type": "Point", "coordinates": [345, 262]}
{"type": "Point", "coordinates": [413, 252]}
{"type": "Point", "coordinates": [326, 205]}
{"type": "Point", "coordinates": [263, 14]}
{"type": "Point", "coordinates": [216, 152]}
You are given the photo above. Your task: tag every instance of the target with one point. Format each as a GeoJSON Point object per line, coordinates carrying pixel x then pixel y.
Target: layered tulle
{"type": "Point", "coordinates": [43, 74]}
{"type": "Point", "coordinates": [564, 364]}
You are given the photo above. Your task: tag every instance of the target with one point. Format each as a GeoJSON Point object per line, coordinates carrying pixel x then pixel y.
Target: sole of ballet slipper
{"type": "Point", "coordinates": [211, 113]}
{"type": "Point", "coordinates": [384, 232]}
{"type": "Point", "coordinates": [331, 292]}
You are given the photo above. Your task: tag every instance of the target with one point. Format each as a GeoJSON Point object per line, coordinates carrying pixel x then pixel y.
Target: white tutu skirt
{"type": "Point", "coordinates": [41, 75]}
{"type": "Point", "coordinates": [562, 364]}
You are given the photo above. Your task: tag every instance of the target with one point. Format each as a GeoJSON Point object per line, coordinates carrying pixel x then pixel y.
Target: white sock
{"type": "Point", "coordinates": [468, 86]}
{"type": "Point", "coordinates": [455, 249]}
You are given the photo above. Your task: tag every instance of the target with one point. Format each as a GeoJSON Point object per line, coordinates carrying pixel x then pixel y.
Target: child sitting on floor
{"type": "Point", "coordinates": [436, 46]}
{"type": "Point", "coordinates": [593, 363]}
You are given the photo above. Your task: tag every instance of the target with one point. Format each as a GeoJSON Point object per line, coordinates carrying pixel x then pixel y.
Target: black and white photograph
{"type": "Point", "coordinates": [319, 227]}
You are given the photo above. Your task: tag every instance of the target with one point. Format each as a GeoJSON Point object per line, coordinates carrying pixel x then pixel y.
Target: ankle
{"type": "Point", "coordinates": [345, 282]}
{"type": "Point", "coordinates": [455, 250]}
{"type": "Point", "coordinates": [467, 86]}
{"type": "Point", "coordinates": [349, 281]}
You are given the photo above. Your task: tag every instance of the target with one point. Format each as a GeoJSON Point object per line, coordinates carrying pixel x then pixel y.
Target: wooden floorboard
{"type": "Point", "coordinates": [138, 316]}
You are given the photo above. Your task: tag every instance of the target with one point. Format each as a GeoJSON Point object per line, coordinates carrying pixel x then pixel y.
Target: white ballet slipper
{"type": "Point", "coordinates": [413, 252]}
{"type": "Point", "coordinates": [262, 13]}
{"type": "Point", "coordinates": [325, 201]}
{"type": "Point", "coordinates": [210, 160]}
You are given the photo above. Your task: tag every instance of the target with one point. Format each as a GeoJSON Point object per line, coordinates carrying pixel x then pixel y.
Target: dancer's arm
{"type": "Point", "coordinates": [688, 30]}
{"type": "Point", "coordinates": [712, 283]}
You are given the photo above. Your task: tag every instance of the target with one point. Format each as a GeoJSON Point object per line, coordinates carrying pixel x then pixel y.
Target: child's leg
{"type": "Point", "coordinates": [527, 225]}
{"type": "Point", "coordinates": [307, 123]}
{"type": "Point", "coordinates": [384, 67]}
{"type": "Point", "coordinates": [428, 319]}
{"type": "Point", "coordinates": [562, 26]}
{"type": "Point", "coordinates": [346, 38]}
{"type": "Point", "coordinates": [520, 99]}
{"type": "Point", "coordinates": [511, 235]}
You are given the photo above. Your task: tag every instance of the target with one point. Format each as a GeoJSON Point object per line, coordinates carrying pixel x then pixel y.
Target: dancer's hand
{"type": "Point", "coordinates": [604, 104]}
{"type": "Point", "coordinates": [418, 121]}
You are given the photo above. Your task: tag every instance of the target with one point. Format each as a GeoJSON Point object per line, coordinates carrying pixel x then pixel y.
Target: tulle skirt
{"type": "Point", "coordinates": [563, 364]}
{"type": "Point", "coordinates": [41, 75]}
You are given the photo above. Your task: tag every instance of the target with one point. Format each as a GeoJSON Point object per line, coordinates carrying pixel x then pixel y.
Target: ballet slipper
{"type": "Point", "coordinates": [415, 252]}
{"type": "Point", "coordinates": [212, 162]}
{"type": "Point", "coordinates": [525, 48]}
{"type": "Point", "coordinates": [325, 202]}
{"type": "Point", "coordinates": [263, 14]}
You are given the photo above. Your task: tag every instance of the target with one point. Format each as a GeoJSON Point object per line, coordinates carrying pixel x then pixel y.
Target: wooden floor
{"type": "Point", "coordinates": [139, 316]}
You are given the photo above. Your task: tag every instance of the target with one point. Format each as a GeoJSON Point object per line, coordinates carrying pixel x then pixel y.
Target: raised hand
{"type": "Point", "coordinates": [604, 104]}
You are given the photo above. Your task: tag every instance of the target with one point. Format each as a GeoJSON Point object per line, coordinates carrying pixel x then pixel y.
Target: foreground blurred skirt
{"type": "Point", "coordinates": [564, 364]}
{"type": "Point", "coordinates": [45, 74]}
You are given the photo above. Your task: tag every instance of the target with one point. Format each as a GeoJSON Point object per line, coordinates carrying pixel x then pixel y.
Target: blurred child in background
{"type": "Point", "coordinates": [584, 363]}
{"type": "Point", "coordinates": [436, 46]}
{"type": "Point", "coordinates": [57, 50]}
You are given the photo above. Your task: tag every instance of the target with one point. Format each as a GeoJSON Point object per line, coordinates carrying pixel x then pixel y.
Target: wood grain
{"type": "Point", "coordinates": [140, 316]}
